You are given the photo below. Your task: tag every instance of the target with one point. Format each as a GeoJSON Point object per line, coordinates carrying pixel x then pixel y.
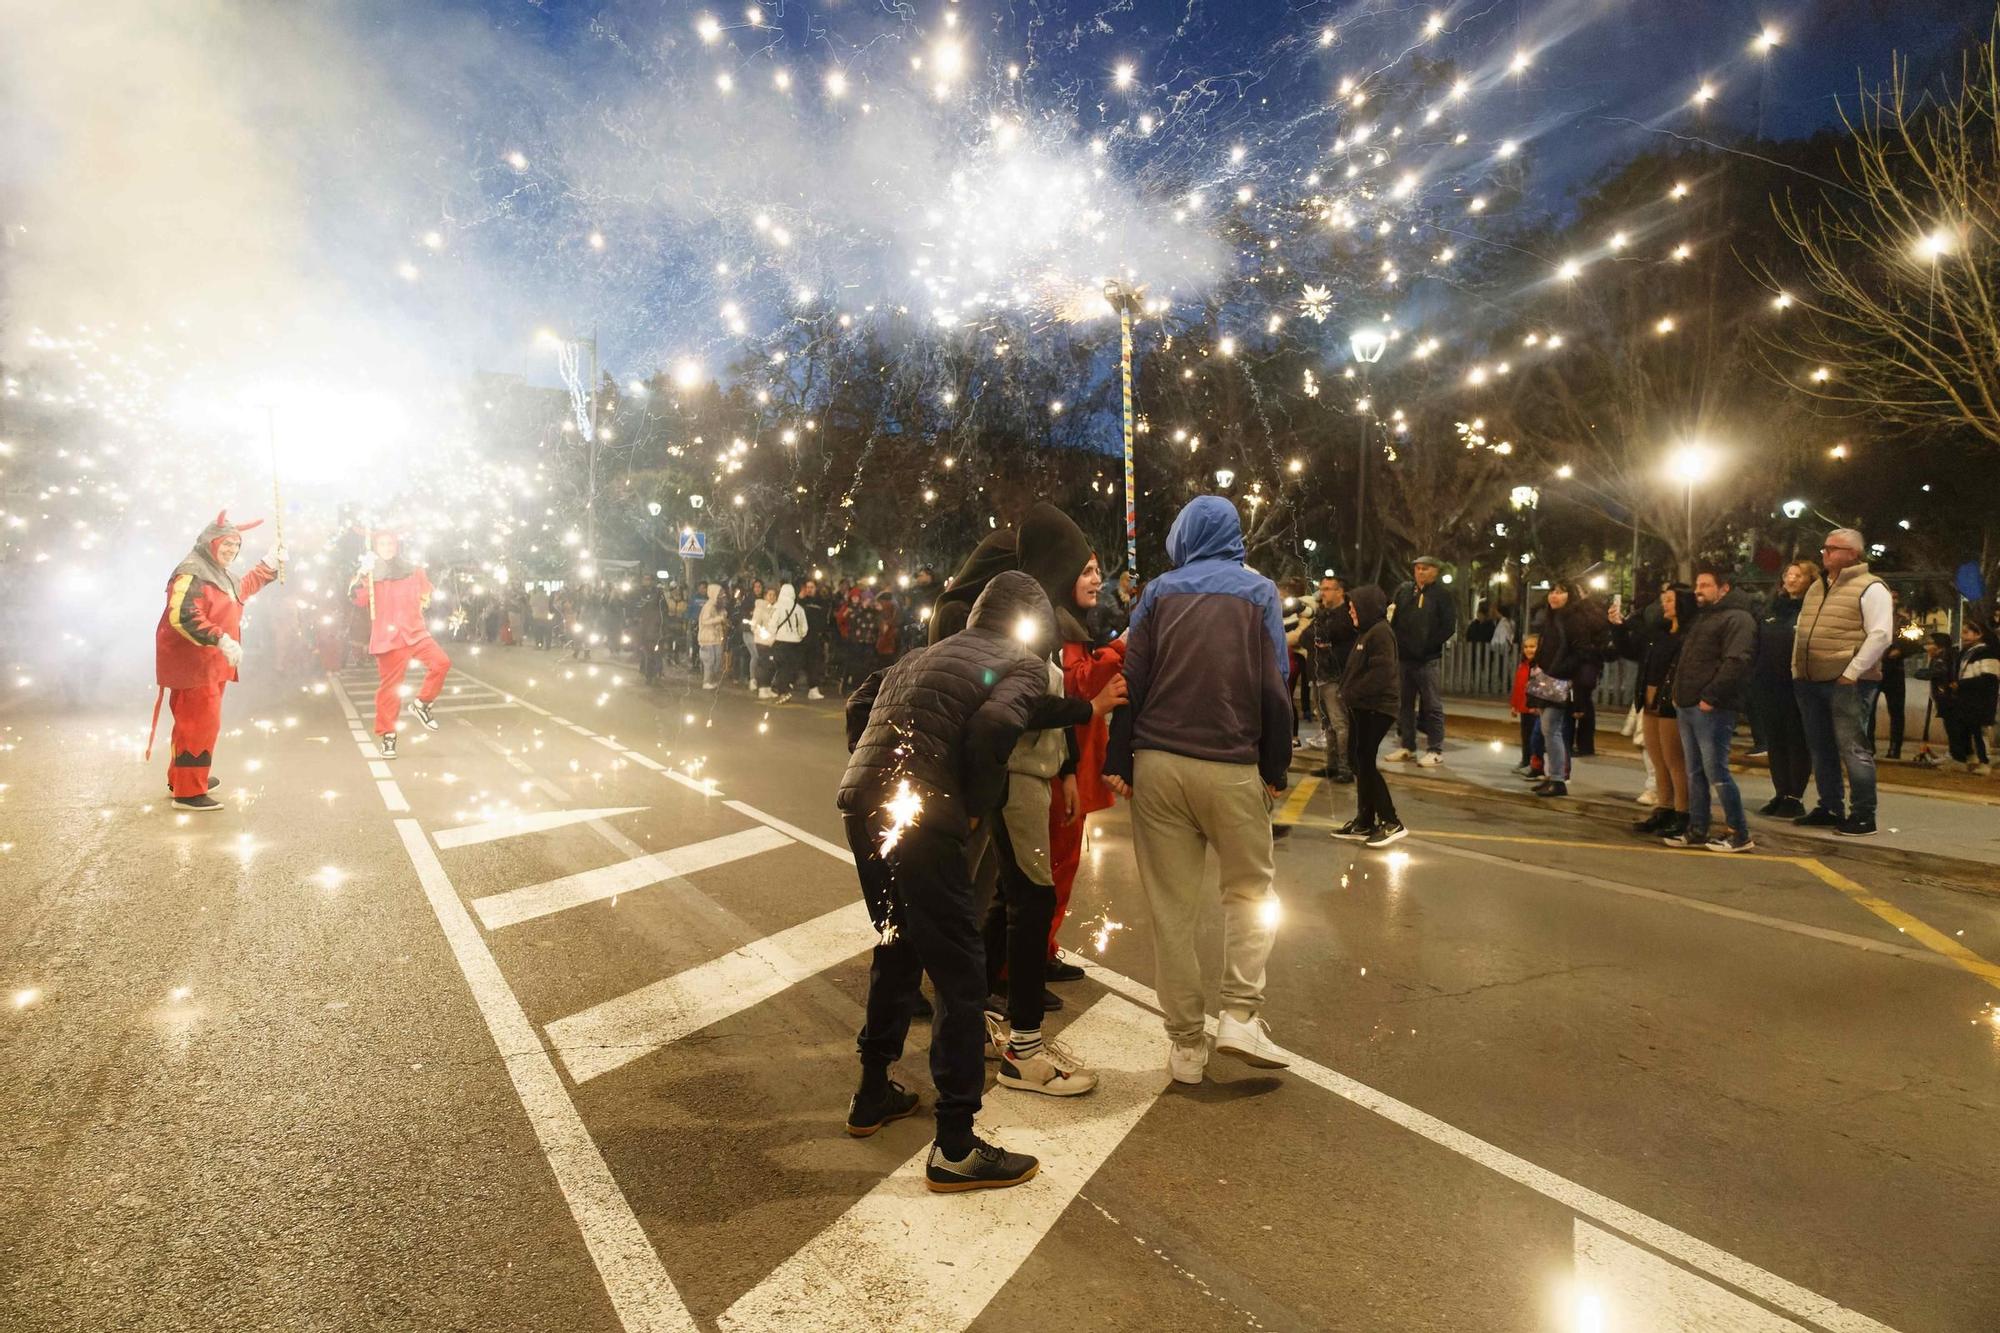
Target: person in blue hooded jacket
{"type": "Point", "coordinates": [1202, 751]}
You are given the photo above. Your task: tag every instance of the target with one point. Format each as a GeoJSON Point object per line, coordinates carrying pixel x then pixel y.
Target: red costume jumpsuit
{"type": "Point", "coordinates": [398, 633]}
{"type": "Point", "coordinates": [204, 603]}
{"type": "Point", "coordinates": [1084, 674]}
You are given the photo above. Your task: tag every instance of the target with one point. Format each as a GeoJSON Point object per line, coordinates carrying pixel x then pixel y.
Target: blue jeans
{"type": "Point", "coordinates": [1705, 744]}
{"type": "Point", "coordinates": [1555, 742]}
{"type": "Point", "coordinates": [711, 662]}
{"type": "Point", "coordinates": [1836, 720]}
{"type": "Point", "coordinates": [1421, 700]}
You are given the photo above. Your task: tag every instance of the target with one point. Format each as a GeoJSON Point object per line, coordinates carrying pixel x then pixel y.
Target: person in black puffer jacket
{"type": "Point", "coordinates": [1654, 642]}
{"type": "Point", "coordinates": [1371, 687]}
{"type": "Point", "coordinates": [929, 740]}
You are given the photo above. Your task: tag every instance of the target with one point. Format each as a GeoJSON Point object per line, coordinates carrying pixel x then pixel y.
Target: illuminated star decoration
{"type": "Point", "coordinates": [1316, 303]}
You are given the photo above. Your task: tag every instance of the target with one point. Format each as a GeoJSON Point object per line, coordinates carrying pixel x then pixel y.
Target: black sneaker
{"type": "Point", "coordinates": [1386, 832]}
{"type": "Point", "coordinates": [422, 712]}
{"type": "Point", "coordinates": [868, 1111]}
{"type": "Point", "coordinates": [385, 745]}
{"type": "Point", "coordinates": [1551, 788]}
{"type": "Point", "coordinates": [203, 803]}
{"type": "Point", "coordinates": [1686, 837]}
{"type": "Point", "coordinates": [1657, 822]}
{"type": "Point", "coordinates": [987, 1167]}
{"type": "Point", "coordinates": [1051, 1001]}
{"type": "Point", "coordinates": [1855, 826]}
{"type": "Point", "coordinates": [1354, 830]}
{"type": "Point", "coordinates": [1741, 842]}
{"type": "Point", "coordinates": [1819, 818]}
{"type": "Point", "coordinates": [1345, 777]}
{"type": "Point", "coordinates": [1062, 969]}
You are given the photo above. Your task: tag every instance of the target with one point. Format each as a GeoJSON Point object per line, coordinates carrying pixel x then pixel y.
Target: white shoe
{"type": "Point", "coordinates": [1647, 797]}
{"type": "Point", "coordinates": [767, 694]}
{"type": "Point", "coordinates": [708, 685]}
{"type": "Point", "coordinates": [1399, 755]}
{"type": "Point", "coordinates": [997, 1032]}
{"type": "Point", "coordinates": [1187, 1060]}
{"type": "Point", "coordinates": [1249, 1041]}
{"type": "Point", "coordinates": [1313, 743]}
{"type": "Point", "coordinates": [814, 693]}
{"type": "Point", "coordinates": [1981, 770]}
{"type": "Point", "coordinates": [1053, 1072]}
{"type": "Point", "coordinates": [1431, 759]}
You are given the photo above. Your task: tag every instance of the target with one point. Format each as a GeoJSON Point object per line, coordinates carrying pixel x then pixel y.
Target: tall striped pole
{"type": "Point", "coordinates": [1131, 486]}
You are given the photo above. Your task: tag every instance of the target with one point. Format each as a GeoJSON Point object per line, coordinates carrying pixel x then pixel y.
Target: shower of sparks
{"type": "Point", "coordinates": [902, 809]}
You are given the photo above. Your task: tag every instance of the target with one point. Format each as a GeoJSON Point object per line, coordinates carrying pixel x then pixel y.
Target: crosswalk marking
{"type": "Point", "coordinates": [473, 707]}
{"type": "Point", "coordinates": [466, 835]}
{"type": "Point", "coordinates": [617, 1032]}
{"type": "Point", "coordinates": [1620, 1286]}
{"type": "Point", "coordinates": [517, 905]}
{"type": "Point", "coordinates": [900, 1260]}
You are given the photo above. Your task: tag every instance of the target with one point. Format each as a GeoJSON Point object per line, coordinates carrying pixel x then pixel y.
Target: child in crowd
{"type": "Point", "coordinates": [1525, 712]}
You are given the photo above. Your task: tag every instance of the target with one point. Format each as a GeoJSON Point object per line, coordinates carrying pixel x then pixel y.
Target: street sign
{"type": "Point", "coordinates": [694, 545]}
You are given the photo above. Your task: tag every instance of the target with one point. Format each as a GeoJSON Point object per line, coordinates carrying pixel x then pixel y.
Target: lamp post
{"type": "Point", "coordinates": [1368, 344]}
{"type": "Point", "coordinates": [1125, 300]}
{"type": "Point", "coordinates": [1691, 463]}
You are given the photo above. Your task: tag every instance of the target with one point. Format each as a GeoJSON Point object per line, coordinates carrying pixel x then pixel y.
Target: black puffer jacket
{"type": "Point", "coordinates": [1714, 666]}
{"type": "Point", "coordinates": [1371, 681]}
{"type": "Point", "coordinates": [946, 717]}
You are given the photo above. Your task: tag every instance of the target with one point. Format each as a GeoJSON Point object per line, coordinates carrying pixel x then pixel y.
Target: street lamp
{"type": "Point", "coordinates": [1689, 464]}
{"type": "Point", "coordinates": [1368, 344]}
{"type": "Point", "coordinates": [1224, 478]}
{"type": "Point", "coordinates": [1794, 508]}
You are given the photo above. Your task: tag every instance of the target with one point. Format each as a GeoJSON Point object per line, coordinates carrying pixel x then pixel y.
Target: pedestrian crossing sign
{"type": "Point", "coordinates": [694, 545]}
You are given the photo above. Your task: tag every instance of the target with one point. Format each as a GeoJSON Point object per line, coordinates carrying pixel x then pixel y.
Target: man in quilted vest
{"type": "Point", "coordinates": [1844, 628]}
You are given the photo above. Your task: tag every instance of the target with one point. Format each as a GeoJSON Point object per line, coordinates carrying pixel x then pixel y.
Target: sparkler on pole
{"type": "Point", "coordinates": [1124, 300]}
{"type": "Point", "coordinates": [277, 501]}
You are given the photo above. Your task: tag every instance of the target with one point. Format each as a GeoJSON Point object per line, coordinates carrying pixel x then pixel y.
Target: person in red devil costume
{"type": "Point", "coordinates": [197, 648]}
{"type": "Point", "coordinates": [397, 594]}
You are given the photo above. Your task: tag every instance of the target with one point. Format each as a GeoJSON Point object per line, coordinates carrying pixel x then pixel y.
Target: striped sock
{"type": "Point", "coordinates": [1024, 1045]}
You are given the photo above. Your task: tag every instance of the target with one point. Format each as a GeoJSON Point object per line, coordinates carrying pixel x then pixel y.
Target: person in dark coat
{"type": "Point", "coordinates": [1772, 697]}
{"type": "Point", "coordinates": [1654, 642]}
{"type": "Point", "coordinates": [1711, 681]}
{"type": "Point", "coordinates": [1328, 640]}
{"type": "Point", "coordinates": [1425, 618]}
{"type": "Point", "coordinates": [929, 739]}
{"type": "Point", "coordinates": [1371, 687]}
{"type": "Point", "coordinates": [1967, 706]}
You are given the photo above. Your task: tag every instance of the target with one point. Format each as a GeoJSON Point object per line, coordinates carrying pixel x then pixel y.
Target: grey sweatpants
{"type": "Point", "coordinates": [1181, 808]}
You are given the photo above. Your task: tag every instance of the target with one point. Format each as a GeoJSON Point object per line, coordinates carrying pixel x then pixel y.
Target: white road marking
{"type": "Point", "coordinates": [392, 797]}
{"type": "Point", "coordinates": [617, 1032]}
{"type": "Point", "coordinates": [379, 769]}
{"type": "Point", "coordinates": [1861, 942]}
{"type": "Point", "coordinates": [640, 1290]}
{"type": "Point", "coordinates": [471, 708]}
{"type": "Point", "coordinates": [1635, 1289]}
{"type": "Point", "coordinates": [466, 835]}
{"type": "Point", "coordinates": [902, 1260]}
{"type": "Point", "coordinates": [791, 831]}
{"type": "Point", "coordinates": [589, 886]}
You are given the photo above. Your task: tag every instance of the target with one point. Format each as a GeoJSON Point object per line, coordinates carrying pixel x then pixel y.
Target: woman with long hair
{"type": "Point", "coordinates": [1656, 648]}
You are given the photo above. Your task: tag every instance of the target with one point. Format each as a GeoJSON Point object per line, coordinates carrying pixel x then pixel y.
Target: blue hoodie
{"type": "Point", "coordinates": [1205, 656]}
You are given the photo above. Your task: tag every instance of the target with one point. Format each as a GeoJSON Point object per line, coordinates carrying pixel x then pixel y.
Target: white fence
{"type": "Point", "coordinates": [1481, 671]}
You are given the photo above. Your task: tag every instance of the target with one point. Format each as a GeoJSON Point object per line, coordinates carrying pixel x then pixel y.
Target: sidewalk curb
{"type": "Point", "coordinates": [1975, 877]}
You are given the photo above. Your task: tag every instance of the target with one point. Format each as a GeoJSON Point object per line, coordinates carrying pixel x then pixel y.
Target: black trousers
{"type": "Point", "coordinates": [1373, 804]}
{"type": "Point", "coordinates": [787, 660]}
{"type": "Point", "coordinates": [922, 890]}
{"type": "Point", "coordinates": [1531, 726]}
{"type": "Point", "coordinates": [1893, 686]}
{"type": "Point", "coordinates": [1017, 935]}
{"type": "Point", "coordinates": [1784, 738]}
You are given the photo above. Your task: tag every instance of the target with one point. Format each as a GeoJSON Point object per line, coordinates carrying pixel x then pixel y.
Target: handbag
{"type": "Point", "coordinates": [1547, 689]}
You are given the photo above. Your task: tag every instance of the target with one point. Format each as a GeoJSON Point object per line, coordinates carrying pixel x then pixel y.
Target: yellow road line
{"type": "Point", "coordinates": [1928, 936]}
{"type": "Point", "coordinates": [1656, 849]}
{"type": "Point", "coordinates": [1295, 804]}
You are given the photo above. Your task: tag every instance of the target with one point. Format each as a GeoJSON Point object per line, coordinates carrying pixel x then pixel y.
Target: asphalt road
{"type": "Point", "coordinates": [380, 1048]}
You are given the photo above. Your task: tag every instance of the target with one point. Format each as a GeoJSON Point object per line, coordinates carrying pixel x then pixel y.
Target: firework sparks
{"type": "Point", "coordinates": [902, 809]}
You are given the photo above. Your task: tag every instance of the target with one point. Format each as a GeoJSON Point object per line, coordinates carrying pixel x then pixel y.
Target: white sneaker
{"type": "Point", "coordinates": [997, 1033]}
{"type": "Point", "coordinates": [1399, 755]}
{"type": "Point", "coordinates": [1647, 797]}
{"type": "Point", "coordinates": [814, 693]}
{"type": "Point", "coordinates": [1053, 1071]}
{"type": "Point", "coordinates": [1431, 759]}
{"type": "Point", "coordinates": [1187, 1060]}
{"type": "Point", "coordinates": [1981, 770]}
{"type": "Point", "coordinates": [708, 685]}
{"type": "Point", "coordinates": [1249, 1042]}
{"type": "Point", "coordinates": [767, 693]}
{"type": "Point", "coordinates": [1313, 743]}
